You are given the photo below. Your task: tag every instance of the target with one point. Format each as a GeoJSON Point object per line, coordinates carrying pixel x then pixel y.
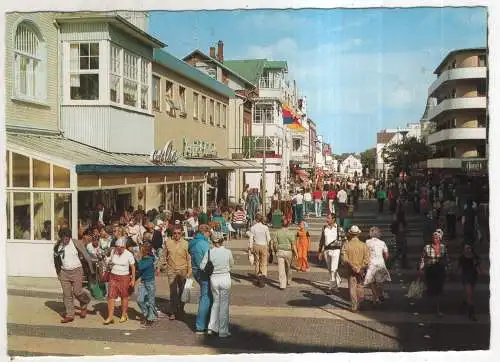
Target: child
{"type": "Point", "coordinates": [147, 287]}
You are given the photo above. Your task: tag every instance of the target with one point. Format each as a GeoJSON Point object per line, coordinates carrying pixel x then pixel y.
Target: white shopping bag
{"type": "Point", "coordinates": [251, 258]}
{"type": "Point", "coordinates": [186, 293]}
{"type": "Point", "coordinates": [416, 289]}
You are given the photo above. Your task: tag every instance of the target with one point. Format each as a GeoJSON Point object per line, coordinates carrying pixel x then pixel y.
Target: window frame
{"type": "Point", "coordinates": [114, 74]}
{"type": "Point", "coordinates": [267, 109]}
{"type": "Point", "coordinates": [224, 116]}
{"type": "Point", "coordinates": [182, 101]}
{"type": "Point", "coordinates": [211, 110]}
{"type": "Point", "coordinates": [203, 109]}
{"type": "Point", "coordinates": [90, 71]}
{"type": "Point", "coordinates": [156, 94]}
{"type": "Point", "coordinates": [196, 105]}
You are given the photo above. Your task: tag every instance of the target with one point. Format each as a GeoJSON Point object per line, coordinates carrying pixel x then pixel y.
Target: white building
{"type": "Point", "coordinates": [351, 167]}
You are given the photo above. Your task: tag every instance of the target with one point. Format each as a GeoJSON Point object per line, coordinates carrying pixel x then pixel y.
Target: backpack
{"type": "Point", "coordinates": [209, 268]}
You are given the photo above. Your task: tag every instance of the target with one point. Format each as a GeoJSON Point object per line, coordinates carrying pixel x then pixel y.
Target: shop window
{"type": "Point", "coordinates": [9, 218]}
{"type": "Point", "coordinates": [22, 216]}
{"type": "Point", "coordinates": [182, 203]}
{"type": "Point", "coordinates": [41, 174]}
{"type": "Point", "coordinates": [170, 197]}
{"type": "Point", "coordinates": [62, 212]}
{"type": "Point", "coordinates": [20, 170]}
{"type": "Point", "coordinates": [42, 215]}
{"type": "Point", "coordinates": [61, 177]}
{"type": "Point", "coordinates": [189, 195]}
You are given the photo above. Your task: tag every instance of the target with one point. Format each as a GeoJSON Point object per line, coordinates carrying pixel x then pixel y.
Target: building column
{"type": "Point", "coordinates": [204, 197]}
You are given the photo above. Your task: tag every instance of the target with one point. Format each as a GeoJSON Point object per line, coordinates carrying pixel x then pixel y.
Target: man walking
{"type": "Point", "coordinates": [332, 239]}
{"type": "Point", "coordinates": [72, 261]}
{"type": "Point", "coordinates": [356, 257]}
{"type": "Point", "coordinates": [299, 206]}
{"type": "Point", "coordinates": [198, 246]}
{"type": "Point", "coordinates": [258, 245]}
{"type": "Point", "coordinates": [317, 196]}
{"type": "Point", "coordinates": [342, 200]}
{"type": "Point", "coordinates": [331, 196]}
{"type": "Point", "coordinates": [284, 247]}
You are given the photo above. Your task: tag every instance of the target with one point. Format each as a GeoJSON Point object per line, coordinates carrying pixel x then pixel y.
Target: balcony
{"type": "Point", "coordinates": [253, 147]}
{"type": "Point", "coordinates": [456, 104]}
{"type": "Point", "coordinates": [457, 74]}
{"type": "Point", "coordinates": [444, 163]}
{"type": "Point", "coordinates": [456, 134]}
{"type": "Point", "coordinates": [299, 156]}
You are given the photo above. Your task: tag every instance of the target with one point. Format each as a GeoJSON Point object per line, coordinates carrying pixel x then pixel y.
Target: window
{"type": "Point", "coordinates": [182, 100]}
{"type": "Point", "coordinates": [224, 116]}
{"type": "Point", "coordinates": [20, 170]}
{"type": "Point", "coordinates": [42, 215]}
{"type": "Point", "coordinates": [217, 114]}
{"type": "Point", "coordinates": [260, 144]}
{"type": "Point", "coordinates": [270, 80]}
{"type": "Point", "coordinates": [454, 64]}
{"type": "Point", "coordinates": [263, 113]}
{"type": "Point", "coordinates": [29, 62]}
{"type": "Point", "coordinates": [130, 84]}
{"type": "Point", "coordinates": [22, 215]}
{"type": "Point", "coordinates": [453, 151]}
{"type": "Point", "coordinates": [196, 106]}
{"type": "Point", "coordinates": [211, 112]}
{"type": "Point", "coordinates": [297, 144]}
{"type": "Point", "coordinates": [41, 174]}
{"type": "Point", "coordinates": [144, 85]}
{"type": "Point", "coordinates": [482, 60]}
{"type": "Point", "coordinates": [169, 96]}
{"type": "Point", "coordinates": [204, 109]}
{"type": "Point", "coordinates": [481, 89]}
{"type": "Point", "coordinates": [115, 75]}
{"type": "Point", "coordinates": [156, 94]}
{"type": "Point", "coordinates": [84, 71]}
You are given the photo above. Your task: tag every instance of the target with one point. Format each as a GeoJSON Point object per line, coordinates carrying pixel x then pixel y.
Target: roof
{"type": "Point", "coordinates": [276, 64]}
{"type": "Point", "coordinates": [87, 159]}
{"type": "Point", "coordinates": [455, 52]}
{"type": "Point", "coordinates": [250, 69]}
{"type": "Point", "coordinates": [168, 60]}
{"type": "Point", "coordinates": [384, 137]}
{"type": "Point", "coordinates": [222, 65]}
{"type": "Point", "coordinates": [118, 21]}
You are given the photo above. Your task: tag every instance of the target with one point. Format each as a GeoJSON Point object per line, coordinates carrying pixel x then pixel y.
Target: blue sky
{"type": "Point", "coordinates": [362, 70]}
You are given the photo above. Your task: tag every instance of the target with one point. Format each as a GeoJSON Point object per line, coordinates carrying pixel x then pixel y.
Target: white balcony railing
{"type": "Point", "coordinates": [457, 74]}
{"type": "Point", "coordinates": [456, 134]}
{"type": "Point", "coordinates": [457, 104]}
{"type": "Point", "coordinates": [444, 163]}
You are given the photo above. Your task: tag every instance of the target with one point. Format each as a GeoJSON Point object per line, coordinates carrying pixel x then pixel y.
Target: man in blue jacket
{"type": "Point", "coordinates": [198, 247]}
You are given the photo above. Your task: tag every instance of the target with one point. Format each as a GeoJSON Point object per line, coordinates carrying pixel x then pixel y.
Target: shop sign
{"type": "Point", "coordinates": [475, 166]}
{"type": "Point", "coordinates": [198, 149]}
{"type": "Point", "coordinates": [166, 155]}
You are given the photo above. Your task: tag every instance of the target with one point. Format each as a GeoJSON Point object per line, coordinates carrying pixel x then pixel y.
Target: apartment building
{"type": "Point", "coordinates": [459, 116]}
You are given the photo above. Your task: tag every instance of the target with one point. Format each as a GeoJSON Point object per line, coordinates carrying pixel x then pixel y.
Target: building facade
{"type": "Point", "coordinates": [460, 115]}
{"type": "Point", "coordinates": [351, 167]}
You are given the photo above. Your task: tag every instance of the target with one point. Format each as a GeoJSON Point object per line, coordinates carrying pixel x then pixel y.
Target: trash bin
{"type": "Point", "coordinates": [277, 219]}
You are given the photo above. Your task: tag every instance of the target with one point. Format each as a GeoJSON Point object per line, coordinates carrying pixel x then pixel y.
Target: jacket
{"type": "Point", "coordinates": [198, 246]}
{"type": "Point", "coordinates": [356, 254]}
{"type": "Point", "coordinates": [85, 258]}
{"type": "Point", "coordinates": [146, 268]}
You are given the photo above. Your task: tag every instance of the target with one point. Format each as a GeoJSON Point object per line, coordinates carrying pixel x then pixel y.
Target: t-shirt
{"type": "Point", "coordinates": [342, 196]}
{"type": "Point", "coordinates": [121, 263]}
{"type": "Point", "coordinates": [377, 249]}
{"type": "Point", "coordinates": [317, 195]}
{"type": "Point", "coordinates": [332, 195]}
{"type": "Point", "coordinates": [299, 199]}
{"type": "Point", "coordinates": [307, 197]}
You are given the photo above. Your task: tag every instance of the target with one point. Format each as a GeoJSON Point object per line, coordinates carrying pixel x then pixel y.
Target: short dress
{"type": "Point", "coordinates": [377, 271]}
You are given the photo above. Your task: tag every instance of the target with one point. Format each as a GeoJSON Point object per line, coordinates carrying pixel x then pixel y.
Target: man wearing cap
{"type": "Point", "coordinates": [332, 239]}
{"type": "Point", "coordinates": [356, 257]}
{"type": "Point", "coordinates": [258, 245]}
{"type": "Point", "coordinates": [71, 261]}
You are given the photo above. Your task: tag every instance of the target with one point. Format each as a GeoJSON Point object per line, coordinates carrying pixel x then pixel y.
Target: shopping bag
{"type": "Point", "coordinates": [96, 291]}
{"type": "Point", "coordinates": [251, 259]}
{"type": "Point", "coordinates": [186, 293]}
{"type": "Point", "coordinates": [416, 289]}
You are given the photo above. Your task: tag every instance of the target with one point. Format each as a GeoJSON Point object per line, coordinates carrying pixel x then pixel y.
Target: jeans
{"type": "Point", "coordinates": [146, 295]}
{"type": "Point", "coordinates": [219, 316]}
{"type": "Point", "coordinates": [299, 212]}
{"type": "Point", "coordinates": [317, 207]}
{"type": "Point", "coordinates": [205, 300]}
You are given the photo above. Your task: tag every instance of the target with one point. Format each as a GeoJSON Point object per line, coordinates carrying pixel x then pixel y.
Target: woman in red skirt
{"type": "Point", "coordinates": [122, 277]}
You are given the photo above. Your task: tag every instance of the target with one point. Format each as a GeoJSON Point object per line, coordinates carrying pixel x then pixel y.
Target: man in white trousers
{"type": "Point", "coordinates": [332, 239]}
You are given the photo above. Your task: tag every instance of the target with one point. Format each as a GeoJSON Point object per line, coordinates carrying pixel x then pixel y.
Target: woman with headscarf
{"type": "Point", "coordinates": [433, 265]}
{"type": "Point", "coordinates": [377, 272]}
{"type": "Point", "coordinates": [220, 285]}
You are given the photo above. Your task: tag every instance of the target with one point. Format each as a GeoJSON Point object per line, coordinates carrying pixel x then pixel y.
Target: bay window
{"type": "Point", "coordinates": [115, 75]}
{"type": "Point", "coordinates": [144, 84]}
{"type": "Point", "coordinates": [84, 71]}
{"type": "Point", "coordinates": [130, 83]}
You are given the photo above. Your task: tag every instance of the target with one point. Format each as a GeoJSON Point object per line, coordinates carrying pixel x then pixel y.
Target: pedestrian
{"type": "Point", "coordinates": [198, 246]}
{"type": "Point", "coordinates": [470, 222]}
{"type": "Point", "coordinates": [331, 196]}
{"type": "Point", "coordinates": [284, 247]}
{"type": "Point", "coordinates": [377, 272]}
{"type": "Point", "coordinates": [330, 244]}
{"type": "Point", "coordinates": [356, 256]}
{"type": "Point", "coordinates": [433, 265]}
{"type": "Point", "coordinates": [220, 285]}
{"type": "Point", "coordinates": [303, 243]}
{"type": "Point", "coordinates": [343, 208]}
{"type": "Point", "coordinates": [178, 270]}
{"type": "Point", "coordinates": [259, 247]}
{"type": "Point", "coordinates": [450, 210]}
{"type": "Point", "coordinates": [299, 207]}
{"type": "Point", "coordinates": [308, 202]}
{"type": "Point", "coordinates": [470, 267]}
{"type": "Point", "coordinates": [72, 262]}
{"type": "Point", "coordinates": [122, 276]}
{"type": "Point", "coordinates": [146, 293]}
{"type": "Point", "coordinates": [317, 197]}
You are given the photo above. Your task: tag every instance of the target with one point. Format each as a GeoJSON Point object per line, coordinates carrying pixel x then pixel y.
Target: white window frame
{"type": "Point", "coordinates": [156, 93]}
{"type": "Point", "coordinates": [224, 116]}
{"type": "Point", "coordinates": [115, 72]}
{"type": "Point", "coordinates": [263, 113]}
{"type": "Point", "coordinates": [182, 101]}
{"type": "Point", "coordinates": [217, 114]}
{"type": "Point", "coordinates": [196, 105]}
{"type": "Point", "coordinates": [75, 71]}
{"type": "Point", "coordinates": [144, 89]}
{"type": "Point", "coordinates": [203, 109]}
{"type": "Point", "coordinates": [29, 45]}
{"type": "Point", "coordinates": [131, 75]}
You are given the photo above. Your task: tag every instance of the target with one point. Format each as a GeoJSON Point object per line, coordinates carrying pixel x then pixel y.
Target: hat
{"type": "Point", "coordinates": [217, 237]}
{"type": "Point", "coordinates": [121, 242]}
{"type": "Point", "coordinates": [439, 233]}
{"type": "Point", "coordinates": [355, 230]}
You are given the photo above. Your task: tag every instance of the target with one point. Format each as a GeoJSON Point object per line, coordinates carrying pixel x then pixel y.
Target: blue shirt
{"type": "Point", "coordinates": [146, 268]}
{"type": "Point", "coordinates": [198, 246]}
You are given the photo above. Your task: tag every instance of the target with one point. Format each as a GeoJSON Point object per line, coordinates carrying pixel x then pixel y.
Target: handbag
{"type": "Point", "coordinates": [416, 289]}
{"type": "Point", "coordinates": [105, 270]}
{"type": "Point", "coordinates": [186, 293]}
{"type": "Point", "coordinates": [209, 268]}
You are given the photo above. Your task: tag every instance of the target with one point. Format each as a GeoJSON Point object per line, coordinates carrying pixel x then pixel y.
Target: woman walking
{"type": "Point", "coordinates": [377, 272]}
{"type": "Point", "coordinates": [470, 267]}
{"type": "Point", "coordinates": [303, 242]}
{"type": "Point", "coordinates": [433, 265]}
{"type": "Point", "coordinates": [121, 277]}
{"type": "Point", "coordinates": [220, 284]}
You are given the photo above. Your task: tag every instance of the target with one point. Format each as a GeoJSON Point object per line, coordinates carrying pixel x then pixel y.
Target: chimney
{"type": "Point", "coordinates": [212, 52]}
{"type": "Point", "coordinates": [220, 51]}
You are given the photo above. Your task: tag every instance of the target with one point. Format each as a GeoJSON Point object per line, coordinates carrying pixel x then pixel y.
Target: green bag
{"type": "Point", "coordinates": [97, 290]}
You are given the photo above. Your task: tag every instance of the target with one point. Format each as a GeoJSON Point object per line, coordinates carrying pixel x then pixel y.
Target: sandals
{"type": "Point", "coordinates": [108, 321]}
{"type": "Point", "coordinates": [124, 318]}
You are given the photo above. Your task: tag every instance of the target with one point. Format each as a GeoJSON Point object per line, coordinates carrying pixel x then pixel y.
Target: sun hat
{"type": "Point", "coordinates": [355, 230]}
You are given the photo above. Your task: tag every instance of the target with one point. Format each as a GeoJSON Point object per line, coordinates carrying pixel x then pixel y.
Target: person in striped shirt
{"type": "Point", "coordinates": [239, 219]}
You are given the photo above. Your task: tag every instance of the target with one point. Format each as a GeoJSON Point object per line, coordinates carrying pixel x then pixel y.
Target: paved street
{"type": "Point", "coordinates": [299, 319]}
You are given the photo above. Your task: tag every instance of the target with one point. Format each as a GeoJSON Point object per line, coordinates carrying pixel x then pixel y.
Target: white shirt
{"type": "Point", "coordinates": [299, 198]}
{"type": "Point", "coordinates": [192, 222]}
{"type": "Point", "coordinates": [342, 196]}
{"type": "Point", "coordinates": [71, 261]}
{"type": "Point", "coordinates": [221, 258]}
{"type": "Point", "coordinates": [377, 249]}
{"type": "Point", "coordinates": [121, 263]}
{"type": "Point", "coordinates": [259, 234]}
{"type": "Point", "coordinates": [93, 251]}
{"type": "Point", "coordinates": [101, 216]}
{"type": "Point", "coordinates": [308, 197]}
{"type": "Point", "coordinates": [330, 234]}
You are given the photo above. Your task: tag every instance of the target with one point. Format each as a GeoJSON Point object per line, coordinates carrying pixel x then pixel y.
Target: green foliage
{"type": "Point", "coordinates": [405, 155]}
{"type": "Point", "coordinates": [368, 160]}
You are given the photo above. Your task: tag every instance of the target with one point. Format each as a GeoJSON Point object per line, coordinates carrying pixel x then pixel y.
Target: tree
{"type": "Point", "coordinates": [405, 155]}
{"type": "Point", "coordinates": [368, 160]}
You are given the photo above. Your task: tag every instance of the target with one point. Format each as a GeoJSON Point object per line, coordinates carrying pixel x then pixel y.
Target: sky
{"type": "Point", "coordinates": [362, 70]}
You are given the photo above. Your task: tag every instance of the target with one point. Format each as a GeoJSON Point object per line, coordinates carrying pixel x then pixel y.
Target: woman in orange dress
{"type": "Point", "coordinates": [303, 242]}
